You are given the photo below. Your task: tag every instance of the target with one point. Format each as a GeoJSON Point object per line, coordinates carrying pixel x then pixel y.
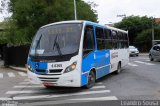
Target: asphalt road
{"type": "Point", "coordinates": [139, 80]}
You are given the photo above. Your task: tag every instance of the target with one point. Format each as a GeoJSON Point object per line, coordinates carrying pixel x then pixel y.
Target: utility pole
{"type": "Point", "coordinates": [152, 31]}
{"type": "Point", "coordinates": [75, 10]}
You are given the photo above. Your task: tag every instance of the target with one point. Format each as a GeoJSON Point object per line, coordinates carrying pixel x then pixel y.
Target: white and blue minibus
{"type": "Point", "coordinates": [76, 53]}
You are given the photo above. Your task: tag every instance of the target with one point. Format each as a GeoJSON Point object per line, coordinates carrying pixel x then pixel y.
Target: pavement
{"type": "Point", "coordinates": [144, 54]}
{"type": "Point", "coordinates": [139, 80]}
{"type": "Point", "coordinates": [22, 69]}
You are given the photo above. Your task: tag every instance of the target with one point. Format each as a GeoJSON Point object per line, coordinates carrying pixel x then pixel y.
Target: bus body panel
{"type": "Point", "coordinates": [102, 60]}
{"type": "Point", "coordinates": [71, 79]}
{"type": "Point", "coordinates": [98, 60]}
{"type": "Point", "coordinates": [119, 55]}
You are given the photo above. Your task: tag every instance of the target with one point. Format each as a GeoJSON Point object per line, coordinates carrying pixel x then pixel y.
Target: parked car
{"type": "Point", "coordinates": [133, 51]}
{"type": "Point", "coordinates": [154, 53]}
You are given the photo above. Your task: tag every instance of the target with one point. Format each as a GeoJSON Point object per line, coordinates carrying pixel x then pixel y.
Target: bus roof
{"type": "Point", "coordinates": [63, 22]}
{"type": "Point", "coordinates": [86, 22]}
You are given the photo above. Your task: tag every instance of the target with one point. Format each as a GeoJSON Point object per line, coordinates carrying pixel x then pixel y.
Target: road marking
{"type": "Point", "coordinates": [28, 86]}
{"type": "Point", "coordinates": [27, 80]}
{"type": "Point", "coordinates": [131, 64]}
{"type": "Point", "coordinates": [1, 75]}
{"type": "Point", "coordinates": [144, 63]}
{"type": "Point", "coordinates": [35, 91]}
{"type": "Point", "coordinates": [22, 74]}
{"type": "Point", "coordinates": [38, 86]}
{"type": "Point", "coordinates": [10, 74]}
{"type": "Point", "coordinates": [5, 99]}
{"type": "Point", "coordinates": [147, 60]}
{"type": "Point", "coordinates": [97, 87]}
{"type": "Point", "coordinates": [97, 99]}
{"type": "Point", "coordinates": [58, 95]}
{"type": "Point", "coordinates": [99, 83]}
{"type": "Point", "coordinates": [25, 83]}
{"type": "Point", "coordinates": [19, 92]}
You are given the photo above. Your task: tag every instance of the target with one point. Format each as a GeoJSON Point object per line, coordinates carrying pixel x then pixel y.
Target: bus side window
{"type": "Point", "coordinates": [108, 39]}
{"type": "Point", "coordinates": [100, 38]}
{"type": "Point", "coordinates": [114, 39]}
{"type": "Point", "coordinates": [125, 40]}
{"type": "Point", "coordinates": [120, 40]}
{"type": "Point", "coordinates": [88, 42]}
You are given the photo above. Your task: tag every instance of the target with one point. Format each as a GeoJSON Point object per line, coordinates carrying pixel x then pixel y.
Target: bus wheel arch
{"type": "Point", "coordinates": [94, 70]}
{"type": "Point", "coordinates": [91, 78]}
{"type": "Point", "coordinates": [119, 68]}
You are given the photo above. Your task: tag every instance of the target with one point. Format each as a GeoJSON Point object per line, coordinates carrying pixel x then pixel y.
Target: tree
{"type": "Point", "coordinates": [3, 38]}
{"type": "Point", "coordinates": [29, 15]}
{"type": "Point", "coordinates": [134, 25]}
{"type": "Point", "coordinates": [144, 38]}
{"type": "Point", "coordinates": [157, 32]}
{"type": "Point", "coordinates": [139, 31]}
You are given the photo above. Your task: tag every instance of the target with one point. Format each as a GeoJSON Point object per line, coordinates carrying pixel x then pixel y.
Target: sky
{"type": "Point", "coordinates": [109, 9]}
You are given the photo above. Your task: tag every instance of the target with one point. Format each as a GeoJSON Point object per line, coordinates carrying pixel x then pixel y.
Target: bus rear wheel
{"type": "Point", "coordinates": [118, 68]}
{"type": "Point", "coordinates": [91, 80]}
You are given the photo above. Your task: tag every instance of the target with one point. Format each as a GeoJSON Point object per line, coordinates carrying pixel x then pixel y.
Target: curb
{"type": "Point", "coordinates": [18, 69]}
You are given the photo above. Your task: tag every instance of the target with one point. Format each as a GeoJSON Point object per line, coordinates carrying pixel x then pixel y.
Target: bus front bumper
{"type": "Point", "coordinates": [71, 79]}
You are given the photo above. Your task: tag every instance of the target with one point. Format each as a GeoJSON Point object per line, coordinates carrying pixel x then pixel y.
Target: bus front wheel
{"type": "Point", "coordinates": [91, 80]}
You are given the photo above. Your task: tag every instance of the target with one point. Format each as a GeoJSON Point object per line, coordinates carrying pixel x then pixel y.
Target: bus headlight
{"type": "Point", "coordinates": [71, 67]}
{"type": "Point", "coordinates": [30, 68]}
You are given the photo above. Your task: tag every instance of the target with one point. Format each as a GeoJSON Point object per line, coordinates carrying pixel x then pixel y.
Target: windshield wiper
{"type": "Point", "coordinates": [57, 45]}
{"type": "Point", "coordinates": [37, 44]}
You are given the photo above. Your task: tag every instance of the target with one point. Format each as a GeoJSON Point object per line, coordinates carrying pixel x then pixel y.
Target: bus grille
{"type": "Point", "coordinates": [51, 80]}
{"type": "Point", "coordinates": [41, 71]}
{"type": "Point", "coordinates": [55, 71]}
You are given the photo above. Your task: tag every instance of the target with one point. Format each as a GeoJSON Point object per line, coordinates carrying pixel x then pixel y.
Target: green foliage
{"type": "Point", "coordinates": [144, 38]}
{"type": "Point", "coordinates": [157, 32]}
{"type": "Point", "coordinates": [135, 25]}
{"type": "Point", "coordinates": [139, 30]}
{"type": "Point", "coordinates": [3, 37]}
{"type": "Point", "coordinates": [29, 15]}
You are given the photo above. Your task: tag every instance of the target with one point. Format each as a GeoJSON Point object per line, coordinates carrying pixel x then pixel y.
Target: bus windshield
{"type": "Point", "coordinates": [57, 40]}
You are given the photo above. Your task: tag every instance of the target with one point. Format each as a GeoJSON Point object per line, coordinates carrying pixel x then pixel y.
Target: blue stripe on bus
{"type": "Point", "coordinates": [103, 71]}
{"type": "Point", "coordinates": [84, 79]}
{"type": "Point", "coordinates": [38, 66]}
{"type": "Point", "coordinates": [99, 60]}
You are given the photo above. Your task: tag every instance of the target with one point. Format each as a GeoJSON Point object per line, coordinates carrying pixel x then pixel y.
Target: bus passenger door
{"type": "Point", "coordinates": [88, 53]}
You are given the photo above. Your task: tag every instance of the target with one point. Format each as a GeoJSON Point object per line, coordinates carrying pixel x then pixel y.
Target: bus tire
{"type": "Point", "coordinates": [118, 68]}
{"type": "Point", "coordinates": [91, 80]}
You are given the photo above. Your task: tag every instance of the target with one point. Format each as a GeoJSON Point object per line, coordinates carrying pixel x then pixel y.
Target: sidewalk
{"type": "Point", "coordinates": [19, 69]}
{"type": "Point", "coordinates": [144, 54]}
{"type": "Point", "coordinates": [13, 67]}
